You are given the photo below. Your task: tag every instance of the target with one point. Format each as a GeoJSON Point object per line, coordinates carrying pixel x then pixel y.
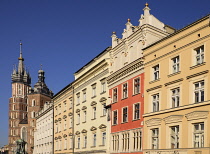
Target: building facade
{"type": "Point", "coordinates": [63, 121]}
{"type": "Point", "coordinates": [91, 127]}
{"type": "Point", "coordinates": [24, 104]}
{"type": "Point", "coordinates": [177, 92]}
{"type": "Point", "coordinates": [43, 134]}
{"type": "Point", "coordinates": [126, 82]}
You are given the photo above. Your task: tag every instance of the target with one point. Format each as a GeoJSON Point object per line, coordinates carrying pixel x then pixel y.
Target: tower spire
{"type": "Point", "coordinates": [21, 59]}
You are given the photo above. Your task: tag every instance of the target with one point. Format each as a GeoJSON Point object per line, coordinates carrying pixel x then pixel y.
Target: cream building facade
{"type": "Point", "coordinates": [43, 134]}
{"type": "Point", "coordinates": [91, 127]}
{"type": "Point", "coordinates": [177, 84]}
{"type": "Point", "coordinates": [63, 121]}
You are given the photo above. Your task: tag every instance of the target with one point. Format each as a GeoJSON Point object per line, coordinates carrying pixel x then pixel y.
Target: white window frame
{"type": "Point", "coordinates": [174, 137]}
{"type": "Point", "coordinates": [175, 64]}
{"type": "Point", "coordinates": [124, 90]}
{"type": "Point", "coordinates": [94, 109]}
{"type": "Point", "coordinates": [93, 90]}
{"type": "Point", "coordinates": [134, 111]}
{"type": "Point", "coordinates": [113, 117]}
{"type": "Point", "coordinates": [175, 97]}
{"type": "Point", "coordinates": [84, 95]}
{"type": "Point", "coordinates": [198, 135]}
{"type": "Point", "coordinates": [156, 102]}
{"type": "Point", "coordinates": [126, 117]}
{"type": "Point", "coordinates": [103, 86]}
{"type": "Point", "coordinates": [199, 55]}
{"type": "Point", "coordinates": [115, 95]}
{"type": "Point", "coordinates": [94, 139]}
{"type": "Point", "coordinates": [78, 98]}
{"type": "Point", "coordinates": [155, 138]}
{"type": "Point", "coordinates": [103, 138]}
{"type": "Point", "coordinates": [199, 92]}
{"type": "Point", "coordinates": [136, 86]}
{"type": "Point", "coordinates": [156, 72]}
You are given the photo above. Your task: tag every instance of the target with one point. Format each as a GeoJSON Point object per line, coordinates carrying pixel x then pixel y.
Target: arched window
{"type": "Point", "coordinates": [33, 103]}
{"type": "Point", "coordinates": [24, 133]}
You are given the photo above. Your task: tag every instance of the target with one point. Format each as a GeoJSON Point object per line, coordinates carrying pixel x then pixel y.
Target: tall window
{"type": "Point", "coordinates": [155, 138]}
{"type": "Point", "coordinates": [84, 95]}
{"type": "Point", "coordinates": [175, 97]}
{"type": "Point", "coordinates": [94, 140]}
{"type": "Point", "coordinates": [103, 86]}
{"type": "Point", "coordinates": [175, 64]}
{"type": "Point", "coordinates": [125, 90]}
{"type": "Point", "coordinates": [155, 102]}
{"type": "Point", "coordinates": [103, 138]}
{"type": "Point", "coordinates": [94, 112]}
{"type": "Point", "coordinates": [115, 142]}
{"type": "Point", "coordinates": [33, 102]}
{"type": "Point", "coordinates": [85, 141]}
{"type": "Point", "coordinates": [199, 55]}
{"type": "Point", "coordinates": [78, 98]}
{"type": "Point", "coordinates": [125, 114]}
{"type": "Point", "coordinates": [78, 142]}
{"type": "Point", "coordinates": [115, 95]}
{"type": "Point", "coordinates": [65, 107]}
{"type": "Point", "coordinates": [103, 109]}
{"type": "Point", "coordinates": [114, 117]}
{"type": "Point", "coordinates": [199, 91]}
{"type": "Point", "coordinates": [156, 72]}
{"type": "Point", "coordinates": [70, 122]}
{"type": "Point", "coordinates": [85, 116]}
{"type": "Point", "coordinates": [125, 141]}
{"type": "Point", "coordinates": [136, 86]}
{"type": "Point", "coordinates": [71, 103]}
{"type": "Point", "coordinates": [65, 125]}
{"type": "Point", "coordinates": [93, 90]}
{"type": "Point", "coordinates": [71, 143]}
{"type": "Point", "coordinates": [198, 135]}
{"type": "Point", "coordinates": [78, 118]}
{"type": "Point", "coordinates": [137, 140]}
{"type": "Point", "coordinates": [175, 137]}
{"type": "Point", "coordinates": [136, 111]}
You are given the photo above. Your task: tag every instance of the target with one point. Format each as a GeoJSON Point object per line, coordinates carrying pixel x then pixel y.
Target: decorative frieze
{"type": "Point", "coordinates": [197, 74]}
{"type": "Point", "coordinates": [153, 88]}
{"type": "Point", "coordinates": [153, 122]}
{"type": "Point", "coordinates": [173, 119]}
{"type": "Point", "coordinates": [197, 115]}
{"type": "Point", "coordinates": [175, 81]}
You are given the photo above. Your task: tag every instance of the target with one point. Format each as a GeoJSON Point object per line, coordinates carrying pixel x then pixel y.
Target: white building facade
{"type": "Point", "coordinates": [43, 135]}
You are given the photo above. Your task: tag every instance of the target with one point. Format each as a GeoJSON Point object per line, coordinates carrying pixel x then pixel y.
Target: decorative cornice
{"type": "Point", "coordinates": [197, 115]}
{"type": "Point", "coordinates": [77, 133]}
{"type": "Point", "coordinates": [153, 122]}
{"type": "Point", "coordinates": [84, 131]}
{"type": "Point", "coordinates": [153, 88]}
{"type": "Point", "coordinates": [59, 119]}
{"type": "Point", "coordinates": [93, 128]}
{"type": "Point", "coordinates": [102, 126]}
{"type": "Point", "coordinates": [84, 107]}
{"type": "Point", "coordinates": [93, 103]}
{"type": "Point", "coordinates": [70, 114]}
{"type": "Point", "coordinates": [64, 117]}
{"type": "Point", "coordinates": [125, 70]}
{"type": "Point", "coordinates": [78, 110]}
{"type": "Point", "coordinates": [197, 74]}
{"type": "Point", "coordinates": [172, 82]}
{"type": "Point", "coordinates": [173, 119]}
{"type": "Point", "coordinates": [102, 99]}
{"type": "Point", "coordinates": [64, 135]}
{"type": "Point", "coordinates": [70, 134]}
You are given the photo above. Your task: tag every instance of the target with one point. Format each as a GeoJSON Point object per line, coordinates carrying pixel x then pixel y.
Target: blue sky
{"type": "Point", "coordinates": [64, 35]}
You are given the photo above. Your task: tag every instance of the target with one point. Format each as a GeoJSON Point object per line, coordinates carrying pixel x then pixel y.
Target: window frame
{"type": "Point", "coordinates": [115, 117]}
{"type": "Point", "coordinates": [136, 86]}
{"type": "Point", "coordinates": [175, 61]}
{"type": "Point", "coordinates": [156, 72]}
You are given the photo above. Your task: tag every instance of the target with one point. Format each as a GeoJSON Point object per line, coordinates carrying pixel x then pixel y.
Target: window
{"type": "Point", "coordinates": [155, 134]}
{"type": "Point", "coordinates": [103, 86]}
{"type": "Point", "coordinates": [85, 141]}
{"type": "Point", "coordinates": [84, 95]}
{"type": "Point", "coordinates": [125, 90]}
{"type": "Point", "coordinates": [155, 102]}
{"type": "Point", "coordinates": [78, 142]}
{"type": "Point", "coordinates": [199, 55]}
{"type": "Point", "coordinates": [65, 144]}
{"type": "Point", "coordinates": [136, 86]}
{"type": "Point", "coordinates": [115, 95]}
{"type": "Point", "coordinates": [115, 142]}
{"type": "Point", "coordinates": [93, 90]}
{"type": "Point", "coordinates": [199, 91]}
{"type": "Point", "coordinates": [94, 112]}
{"type": "Point", "coordinates": [103, 109]}
{"type": "Point", "coordinates": [33, 103]}
{"type": "Point", "coordinates": [175, 137]}
{"type": "Point", "coordinates": [70, 122]}
{"type": "Point", "coordinates": [156, 72]}
{"type": "Point", "coordinates": [71, 143]}
{"type": "Point", "coordinates": [175, 64]}
{"type": "Point", "coordinates": [78, 118]}
{"type": "Point", "coordinates": [198, 135]}
{"type": "Point", "coordinates": [103, 138]}
{"type": "Point", "coordinates": [175, 97]}
{"type": "Point", "coordinates": [65, 125]}
{"type": "Point", "coordinates": [114, 117]}
{"type": "Point", "coordinates": [136, 111]}
{"type": "Point", "coordinates": [85, 116]}
{"type": "Point", "coordinates": [125, 141]}
{"type": "Point", "coordinates": [137, 140]}
{"type": "Point", "coordinates": [125, 114]}
{"type": "Point", "coordinates": [94, 140]}
{"type": "Point", "coordinates": [65, 107]}
{"type": "Point", "coordinates": [71, 103]}
{"type": "Point", "coordinates": [78, 98]}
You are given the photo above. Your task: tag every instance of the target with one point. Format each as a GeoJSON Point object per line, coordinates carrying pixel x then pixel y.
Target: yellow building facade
{"type": "Point", "coordinates": [177, 85]}
{"type": "Point", "coordinates": [63, 121]}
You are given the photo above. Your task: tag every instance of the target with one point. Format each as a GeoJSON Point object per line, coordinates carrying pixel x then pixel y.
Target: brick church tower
{"type": "Point", "coordinates": [24, 104]}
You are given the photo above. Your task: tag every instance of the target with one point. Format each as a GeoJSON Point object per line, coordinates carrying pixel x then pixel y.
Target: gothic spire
{"type": "Point", "coordinates": [21, 59]}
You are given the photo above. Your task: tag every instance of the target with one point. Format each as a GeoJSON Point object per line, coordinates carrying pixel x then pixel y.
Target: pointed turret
{"type": "Point", "coordinates": [40, 87]}
{"type": "Point", "coordinates": [20, 74]}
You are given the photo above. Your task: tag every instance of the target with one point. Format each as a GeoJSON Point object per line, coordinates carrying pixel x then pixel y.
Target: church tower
{"type": "Point", "coordinates": [21, 81]}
